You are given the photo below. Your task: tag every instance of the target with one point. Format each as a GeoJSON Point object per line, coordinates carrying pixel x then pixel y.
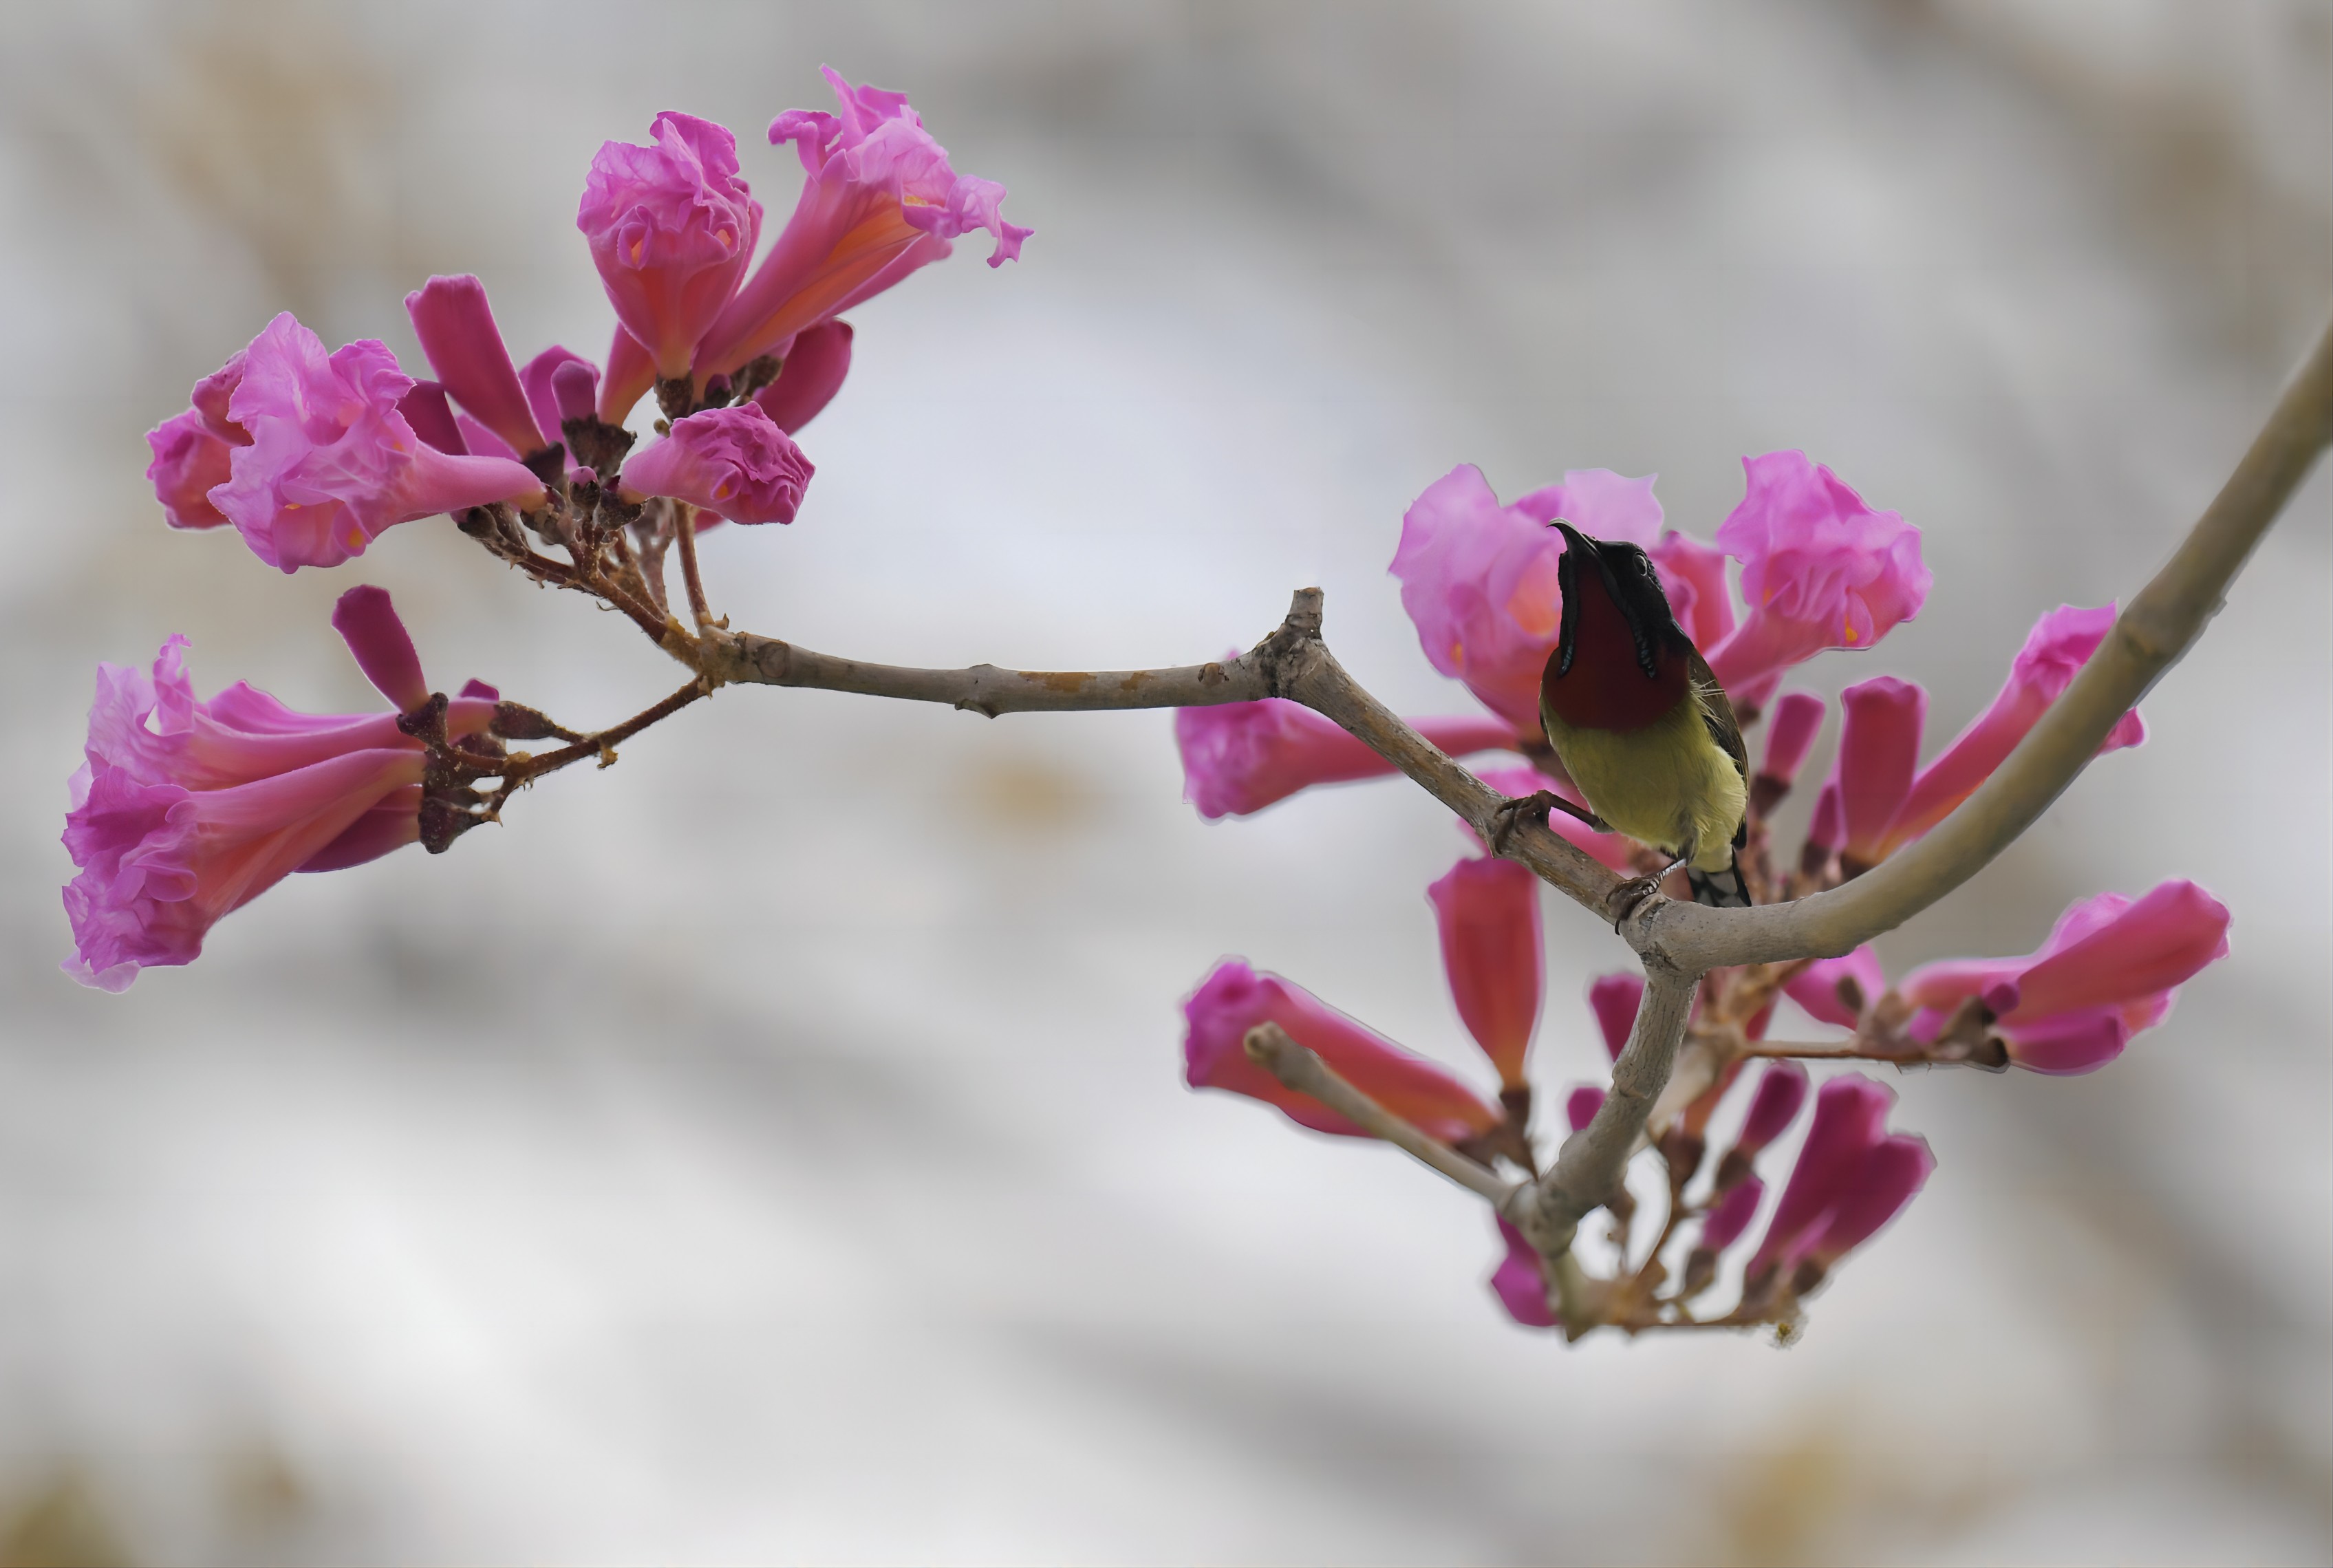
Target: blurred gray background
{"type": "Point", "coordinates": [774, 1148]}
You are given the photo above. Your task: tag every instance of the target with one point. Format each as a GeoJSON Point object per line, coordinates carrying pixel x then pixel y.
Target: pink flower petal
{"type": "Point", "coordinates": [735, 463]}
{"type": "Point", "coordinates": [465, 348]}
{"type": "Point", "coordinates": [1487, 914]}
{"type": "Point", "coordinates": [672, 228]}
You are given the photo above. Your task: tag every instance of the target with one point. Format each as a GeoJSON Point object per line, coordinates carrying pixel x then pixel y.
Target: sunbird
{"type": "Point", "coordinates": [1640, 722]}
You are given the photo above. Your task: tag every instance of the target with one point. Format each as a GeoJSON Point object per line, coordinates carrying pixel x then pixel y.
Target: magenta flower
{"type": "Point", "coordinates": [1580, 1106]}
{"type": "Point", "coordinates": [1879, 750]}
{"type": "Point", "coordinates": [1519, 1283]}
{"type": "Point", "coordinates": [1487, 913]}
{"type": "Point", "coordinates": [1781, 1090]}
{"type": "Point", "coordinates": [1822, 986]}
{"type": "Point", "coordinates": [809, 378]}
{"type": "Point", "coordinates": [459, 338]}
{"type": "Point", "coordinates": [1894, 1170]}
{"type": "Point", "coordinates": [2060, 643]}
{"type": "Point", "coordinates": [1614, 999]}
{"type": "Point", "coordinates": [630, 372]}
{"type": "Point", "coordinates": [1240, 757]}
{"type": "Point", "coordinates": [186, 810]}
{"type": "Point", "coordinates": [735, 463]}
{"type": "Point", "coordinates": [671, 228]}
{"type": "Point", "coordinates": [880, 202]}
{"type": "Point", "coordinates": [1732, 1215]}
{"type": "Point", "coordinates": [1233, 999]}
{"type": "Point", "coordinates": [1819, 569]}
{"type": "Point", "coordinates": [1478, 578]}
{"type": "Point", "coordinates": [2111, 967]}
{"type": "Point", "coordinates": [332, 462]}
{"type": "Point", "coordinates": [1790, 731]}
{"type": "Point", "coordinates": [192, 450]}
{"type": "Point", "coordinates": [561, 385]}
{"type": "Point", "coordinates": [1849, 1121]}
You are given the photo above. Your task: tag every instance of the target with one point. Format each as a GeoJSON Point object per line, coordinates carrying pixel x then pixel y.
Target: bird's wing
{"type": "Point", "coordinates": [1717, 713]}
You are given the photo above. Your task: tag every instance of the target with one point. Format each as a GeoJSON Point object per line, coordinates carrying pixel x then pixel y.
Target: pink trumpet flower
{"type": "Point", "coordinates": [1819, 569]}
{"type": "Point", "coordinates": [1239, 757]}
{"type": "Point", "coordinates": [1790, 731]}
{"type": "Point", "coordinates": [1519, 1283]}
{"type": "Point", "coordinates": [735, 463]}
{"type": "Point", "coordinates": [1478, 578]}
{"type": "Point", "coordinates": [1878, 751]}
{"type": "Point", "coordinates": [1614, 999]}
{"type": "Point", "coordinates": [2060, 643]}
{"type": "Point", "coordinates": [192, 451]}
{"type": "Point", "coordinates": [1822, 986]}
{"type": "Point", "coordinates": [1781, 1090]}
{"type": "Point", "coordinates": [331, 463]}
{"type": "Point", "coordinates": [1732, 1215]}
{"type": "Point", "coordinates": [1580, 1106]}
{"type": "Point", "coordinates": [465, 347]}
{"type": "Point", "coordinates": [1890, 1175]}
{"type": "Point", "coordinates": [880, 202]}
{"type": "Point", "coordinates": [1233, 999]}
{"type": "Point", "coordinates": [811, 375]}
{"type": "Point", "coordinates": [542, 376]}
{"type": "Point", "coordinates": [672, 228]}
{"type": "Point", "coordinates": [2111, 967]}
{"type": "Point", "coordinates": [186, 810]}
{"type": "Point", "coordinates": [1487, 914]}
{"type": "Point", "coordinates": [1849, 1121]}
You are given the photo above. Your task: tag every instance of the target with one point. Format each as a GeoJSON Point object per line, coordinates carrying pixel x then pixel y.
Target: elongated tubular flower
{"type": "Point", "coordinates": [1819, 569]}
{"type": "Point", "coordinates": [186, 810]}
{"type": "Point", "coordinates": [672, 228]}
{"type": "Point", "coordinates": [1614, 1000]}
{"type": "Point", "coordinates": [1239, 757]}
{"type": "Point", "coordinates": [1732, 1215]}
{"type": "Point", "coordinates": [1791, 730]}
{"type": "Point", "coordinates": [733, 462]}
{"type": "Point", "coordinates": [2112, 966]}
{"type": "Point", "coordinates": [465, 348]}
{"type": "Point", "coordinates": [1850, 1118]}
{"type": "Point", "coordinates": [1890, 1175]}
{"type": "Point", "coordinates": [810, 376]}
{"type": "Point", "coordinates": [1781, 1090]}
{"type": "Point", "coordinates": [1233, 999]}
{"type": "Point", "coordinates": [1486, 912]}
{"type": "Point", "coordinates": [332, 462]}
{"type": "Point", "coordinates": [1878, 751]}
{"type": "Point", "coordinates": [880, 202]}
{"type": "Point", "coordinates": [1826, 830]}
{"type": "Point", "coordinates": [543, 376]}
{"type": "Point", "coordinates": [1519, 1284]}
{"type": "Point", "coordinates": [1822, 987]}
{"type": "Point", "coordinates": [1479, 579]}
{"type": "Point", "coordinates": [192, 451]}
{"type": "Point", "coordinates": [1580, 1106]}
{"type": "Point", "coordinates": [2060, 643]}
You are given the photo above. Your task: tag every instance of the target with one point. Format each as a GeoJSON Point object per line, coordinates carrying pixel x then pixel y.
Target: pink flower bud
{"type": "Point", "coordinates": [1819, 569]}
{"type": "Point", "coordinates": [1894, 1170]}
{"type": "Point", "coordinates": [2060, 643]}
{"type": "Point", "coordinates": [369, 623]}
{"type": "Point", "coordinates": [2111, 967]}
{"type": "Point", "coordinates": [192, 450]}
{"type": "Point", "coordinates": [735, 463]}
{"type": "Point", "coordinates": [1580, 1106]}
{"type": "Point", "coordinates": [1614, 999]}
{"type": "Point", "coordinates": [1781, 1090]}
{"type": "Point", "coordinates": [1732, 1215]}
{"type": "Point", "coordinates": [1790, 731]}
{"type": "Point", "coordinates": [880, 202]}
{"type": "Point", "coordinates": [1239, 757]}
{"type": "Point", "coordinates": [332, 462]}
{"type": "Point", "coordinates": [541, 376]}
{"type": "Point", "coordinates": [186, 810]}
{"type": "Point", "coordinates": [671, 228]}
{"type": "Point", "coordinates": [1487, 912]}
{"type": "Point", "coordinates": [1850, 1117]}
{"type": "Point", "coordinates": [811, 375]}
{"type": "Point", "coordinates": [1878, 748]}
{"type": "Point", "coordinates": [1519, 1283]}
{"type": "Point", "coordinates": [1826, 830]}
{"type": "Point", "coordinates": [1817, 987]}
{"type": "Point", "coordinates": [464, 346]}
{"type": "Point", "coordinates": [1233, 999]}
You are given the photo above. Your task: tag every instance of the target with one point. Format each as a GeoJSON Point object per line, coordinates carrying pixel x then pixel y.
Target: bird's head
{"type": "Point", "coordinates": [1595, 573]}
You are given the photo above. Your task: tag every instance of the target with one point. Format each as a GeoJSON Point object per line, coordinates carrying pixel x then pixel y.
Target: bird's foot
{"type": "Point", "coordinates": [1623, 901]}
{"type": "Point", "coordinates": [1513, 813]}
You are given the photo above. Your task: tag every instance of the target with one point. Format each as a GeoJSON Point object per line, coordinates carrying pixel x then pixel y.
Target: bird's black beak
{"type": "Point", "coordinates": [1579, 552]}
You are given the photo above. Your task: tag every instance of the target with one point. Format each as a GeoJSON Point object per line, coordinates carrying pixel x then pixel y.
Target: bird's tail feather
{"type": "Point", "coordinates": [1722, 889]}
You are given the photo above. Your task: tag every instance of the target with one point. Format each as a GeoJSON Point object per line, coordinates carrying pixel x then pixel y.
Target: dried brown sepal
{"type": "Point", "coordinates": [598, 447]}
{"type": "Point", "coordinates": [517, 721]}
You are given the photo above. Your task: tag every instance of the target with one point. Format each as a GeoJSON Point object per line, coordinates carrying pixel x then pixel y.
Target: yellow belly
{"type": "Point", "coordinates": [1669, 784]}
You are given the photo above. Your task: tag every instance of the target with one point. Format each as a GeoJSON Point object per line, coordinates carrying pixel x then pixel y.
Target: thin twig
{"type": "Point", "coordinates": [602, 745]}
{"type": "Point", "coordinates": [1300, 1069]}
{"type": "Point", "coordinates": [685, 534]}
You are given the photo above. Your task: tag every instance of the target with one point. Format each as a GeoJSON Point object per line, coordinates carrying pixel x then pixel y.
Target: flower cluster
{"type": "Point", "coordinates": [1818, 568]}
{"type": "Point", "coordinates": [189, 809]}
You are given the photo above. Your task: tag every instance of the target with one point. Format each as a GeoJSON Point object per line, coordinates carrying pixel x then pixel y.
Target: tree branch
{"type": "Point", "coordinates": [2158, 627]}
{"type": "Point", "coordinates": [1298, 1067]}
